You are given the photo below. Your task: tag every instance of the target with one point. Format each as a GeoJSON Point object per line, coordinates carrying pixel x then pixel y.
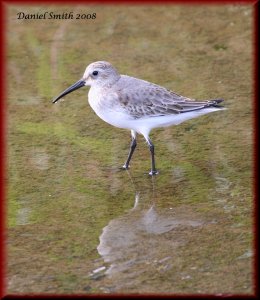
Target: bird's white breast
{"type": "Point", "coordinates": [94, 99]}
{"type": "Point", "coordinates": [106, 106]}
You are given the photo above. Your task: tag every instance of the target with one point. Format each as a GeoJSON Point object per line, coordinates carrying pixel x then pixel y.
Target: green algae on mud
{"type": "Point", "coordinates": [65, 188]}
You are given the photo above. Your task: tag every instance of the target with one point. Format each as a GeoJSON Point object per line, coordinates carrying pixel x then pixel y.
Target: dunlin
{"type": "Point", "coordinates": [135, 104]}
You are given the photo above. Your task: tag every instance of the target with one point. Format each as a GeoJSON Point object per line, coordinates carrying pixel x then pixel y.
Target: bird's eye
{"type": "Point", "coordinates": [95, 73]}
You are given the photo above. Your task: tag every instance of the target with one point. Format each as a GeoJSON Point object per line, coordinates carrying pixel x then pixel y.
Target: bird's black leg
{"type": "Point", "coordinates": [151, 147]}
{"type": "Point", "coordinates": [131, 151]}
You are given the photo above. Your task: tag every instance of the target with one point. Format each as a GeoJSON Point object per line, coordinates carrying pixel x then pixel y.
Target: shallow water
{"type": "Point", "coordinates": [79, 224]}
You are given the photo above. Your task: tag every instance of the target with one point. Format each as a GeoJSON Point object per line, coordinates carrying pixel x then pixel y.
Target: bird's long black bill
{"type": "Point", "coordinates": [72, 88]}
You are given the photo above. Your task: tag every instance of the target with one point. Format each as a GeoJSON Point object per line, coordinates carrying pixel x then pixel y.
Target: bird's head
{"type": "Point", "coordinates": [100, 73]}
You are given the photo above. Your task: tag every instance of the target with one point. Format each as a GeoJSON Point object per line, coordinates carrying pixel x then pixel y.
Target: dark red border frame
{"type": "Point", "coordinates": [3, 154]}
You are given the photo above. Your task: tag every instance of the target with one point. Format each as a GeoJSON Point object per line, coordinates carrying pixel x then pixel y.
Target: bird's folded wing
{"type": "Point", "coordinates": [155, 101]}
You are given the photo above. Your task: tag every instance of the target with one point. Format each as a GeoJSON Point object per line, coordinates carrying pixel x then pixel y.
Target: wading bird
{"type": "Point", "coordinates": [135, 104]}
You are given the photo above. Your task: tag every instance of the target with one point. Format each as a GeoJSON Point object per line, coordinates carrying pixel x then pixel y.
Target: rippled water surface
{"type": "Point", "coordinates": [77, 224]}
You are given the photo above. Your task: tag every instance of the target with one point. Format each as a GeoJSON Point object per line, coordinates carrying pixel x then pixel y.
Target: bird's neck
{"type": "Point", "coordinates": [108, 83]}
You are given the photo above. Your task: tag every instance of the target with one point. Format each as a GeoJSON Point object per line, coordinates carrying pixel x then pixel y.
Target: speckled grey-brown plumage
{"type": "Point", "coordinates": [140, 98]}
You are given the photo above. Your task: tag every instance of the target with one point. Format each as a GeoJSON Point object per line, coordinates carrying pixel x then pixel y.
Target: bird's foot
{"type": "Point", "coordinates": [153, 172]}
{"type": "Point", "coordinates": [124, 167]}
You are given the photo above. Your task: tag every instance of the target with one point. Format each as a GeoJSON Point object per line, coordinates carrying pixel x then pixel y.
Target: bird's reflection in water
{"type": "Point", "coordinates": [147, 235]}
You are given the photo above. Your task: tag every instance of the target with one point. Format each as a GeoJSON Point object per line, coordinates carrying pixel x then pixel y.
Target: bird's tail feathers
{"type": "Point", "coordinates": [215, 103]}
